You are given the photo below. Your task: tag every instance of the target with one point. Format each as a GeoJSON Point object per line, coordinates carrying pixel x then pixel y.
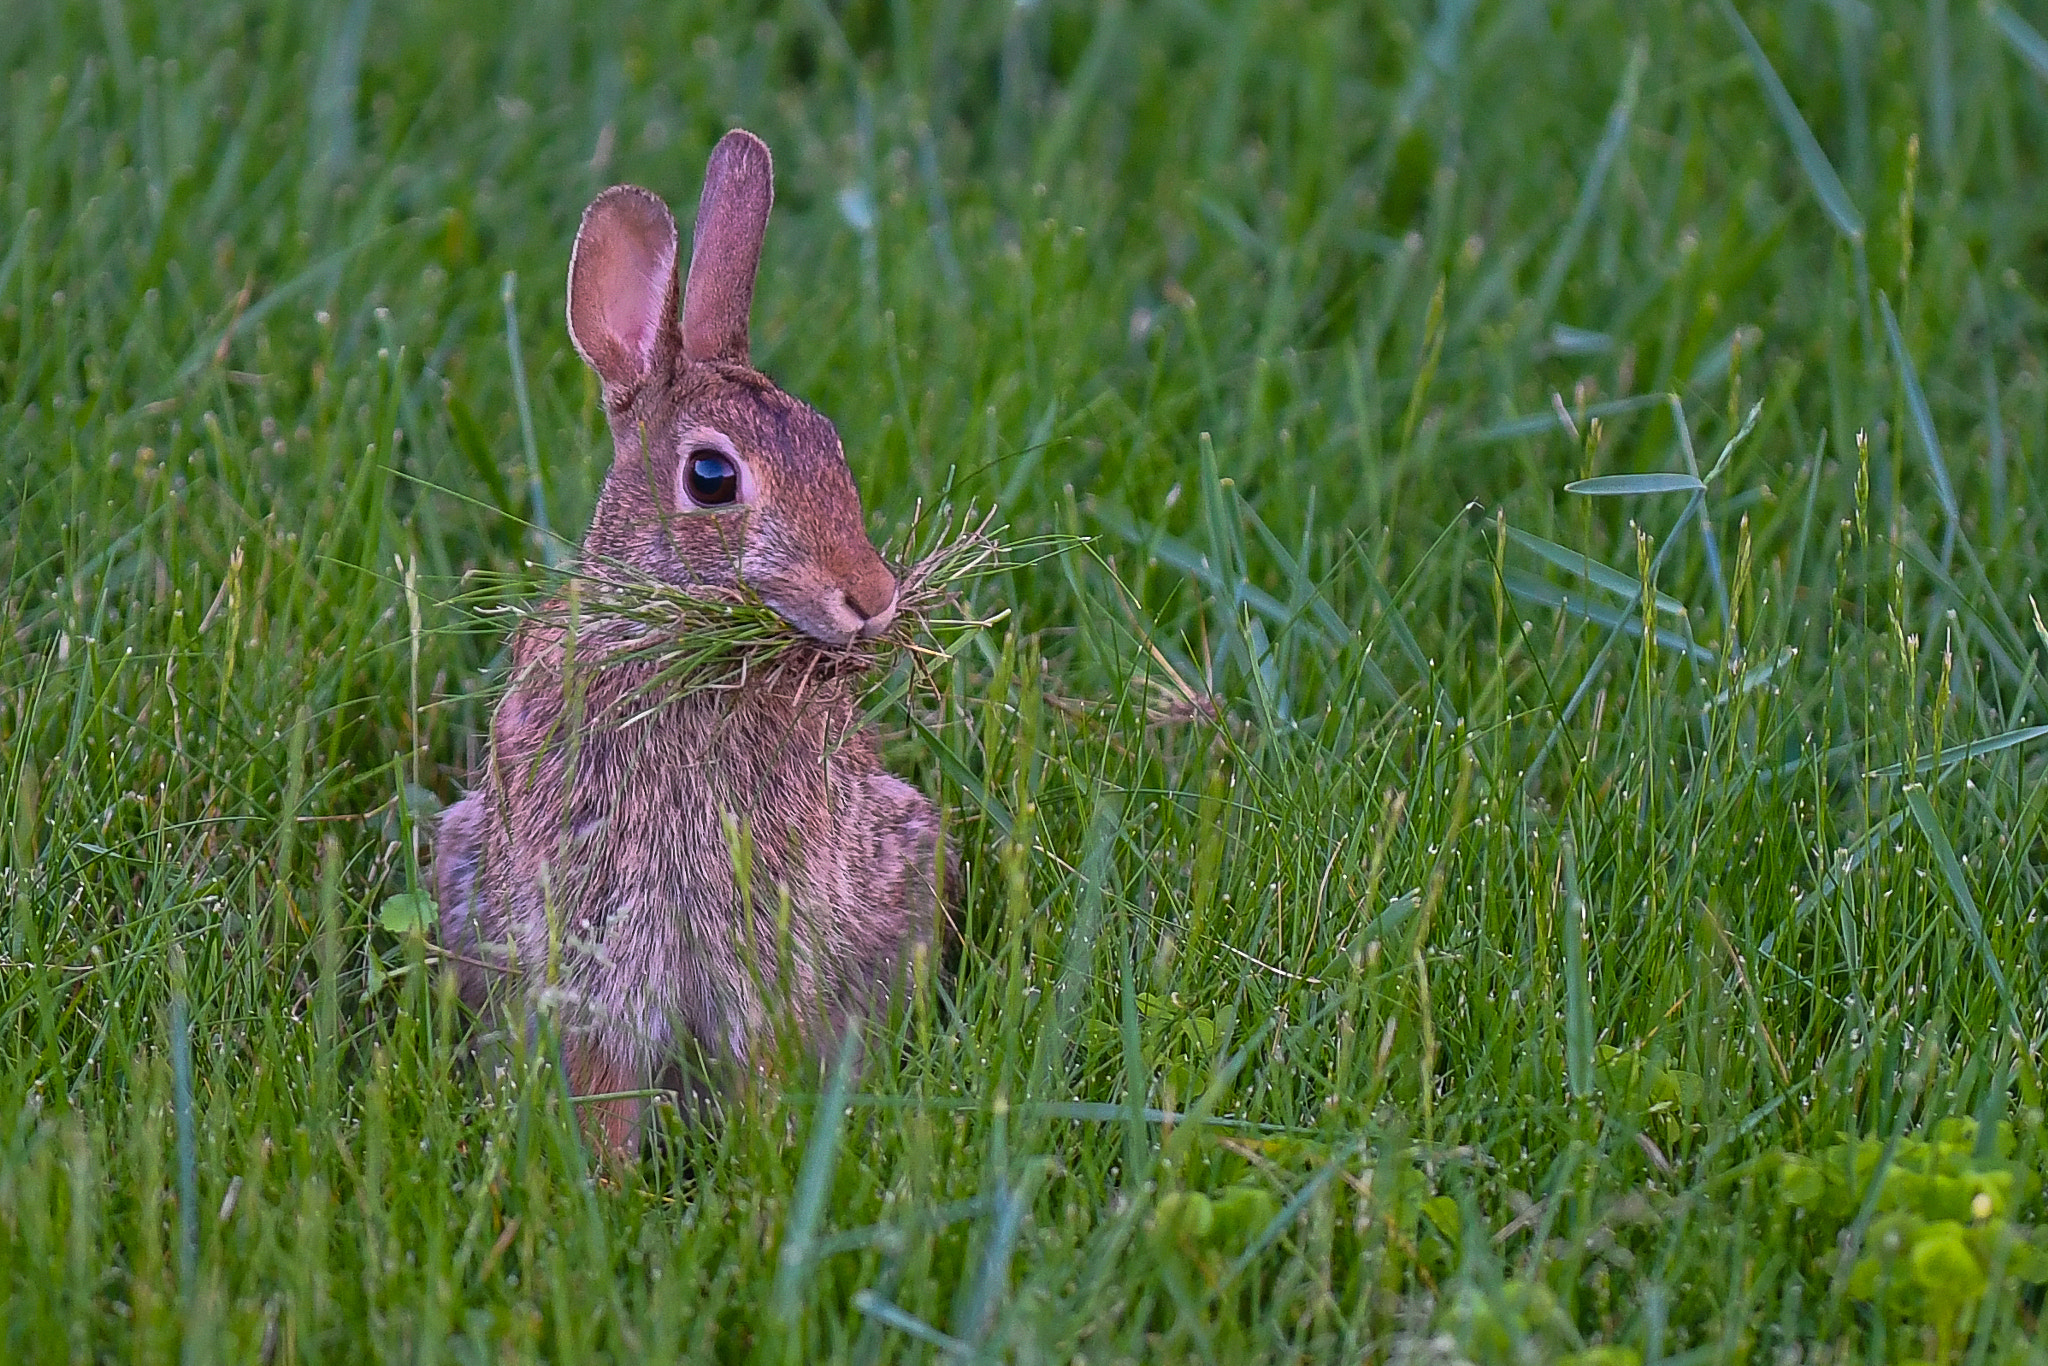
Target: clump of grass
{"type": "Point", "coordinates": [688, 638]}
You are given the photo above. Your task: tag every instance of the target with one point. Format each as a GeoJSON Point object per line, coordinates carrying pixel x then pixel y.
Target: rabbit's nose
{"type": "Point", "coordinates": [872, 596]}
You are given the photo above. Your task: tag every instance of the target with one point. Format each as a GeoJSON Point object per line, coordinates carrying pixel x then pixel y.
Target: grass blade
{"type": "Point", "coordinates": [1923, 428]}
{"type": "Point", "coordinates": [545, 542]}
{"type": "Point", "coordinates": [1137, 1076]}
{"type": "Point", "coordinates": [1994, 428]}
{"type": "Point", "coordinates": [956, 768]}
{"type": "Point", "coordinates": [1078, 969]}
{"type": "Point", "coordinates": [1628, 624]}
{"type": "Point", "coordinates": [1306, 592]}
{"type": "Point", "coordinates": [336, 89]}
{"type": "Point", "coordinates": [1031, 456]}
{"type": "Point", "coordinates": [814, 1183]}
{"type": "Point", "coordinates": [181, 1082]}
{"type": "Point", "coordinates": [1753, 678]}
{"type": "Point", "coordinates": [1618, 120]}
{"type": "Point", "coordinates": [1591, 570]}
{"type": "Point", "coordinates": [1565, 340]}
{"type": "Point", "coordinates": [1959, 888]}
{"type": "Point", "coordinates": [1536, 424]}
{"type": "Point", "coordinates": [1941, 92]}
{"type": "Point", "coordinates": [1820, 172]}
{"type": "Point", "coordinates": [1546, 594]}
{"type": "Point", "coordinates": [992, 1267]}
{"type": "Point", "coordinates": [1631, 485]}
{"type": "Point", "coordinates": [909, 1324]}
{"type": "Point", "coordinates": [1284, 1219]}
{"type": "Point", "coordinates": [1846, 863]}
{"type": "Point", "coordinates": [2025, 40]}
{"type": "Point", "coordinates": [1713, 367]}
{"type": "Point", "coordinates": [1950, 758]}
{"type": "Point", "coordinates": [1578, 987]}
{"type": "Point", "coordinates": [1188, 560]}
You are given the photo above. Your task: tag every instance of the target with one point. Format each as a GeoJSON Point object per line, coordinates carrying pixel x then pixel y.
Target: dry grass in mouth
{"type": "Point", "coordinates": [709, 637]}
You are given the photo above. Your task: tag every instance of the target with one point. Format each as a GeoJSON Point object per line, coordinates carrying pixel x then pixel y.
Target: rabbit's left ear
{"type": "Point", "coordinates": [732, 217]}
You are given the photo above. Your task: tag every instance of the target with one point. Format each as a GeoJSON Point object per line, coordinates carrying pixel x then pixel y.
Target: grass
{"type": "Point", "coordinates": [1409, 909]}
{"type": "Point", "coordinates": [708, 637]}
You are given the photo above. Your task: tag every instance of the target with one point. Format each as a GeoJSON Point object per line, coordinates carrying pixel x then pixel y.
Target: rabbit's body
{"type": "Point", "coordinates": [611, 831]}
{"type": "Point", "coordinates": [620, 834]}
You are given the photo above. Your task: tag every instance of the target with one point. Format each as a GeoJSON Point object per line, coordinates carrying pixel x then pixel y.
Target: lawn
{"type": "Point", "coordinates": [1505, 819]}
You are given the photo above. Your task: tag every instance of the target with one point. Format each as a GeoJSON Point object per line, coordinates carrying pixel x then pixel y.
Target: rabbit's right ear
{"type": "Point", "coordinates": [732, 217]}
{"type": "Point", "coordinates": [622, 286]}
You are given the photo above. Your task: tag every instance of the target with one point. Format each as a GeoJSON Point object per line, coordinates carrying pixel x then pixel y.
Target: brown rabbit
{"type": "Point", "coordinates": [604, 824]}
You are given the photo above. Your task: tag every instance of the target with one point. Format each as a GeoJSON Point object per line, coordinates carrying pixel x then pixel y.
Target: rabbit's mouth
{"type": "Point", "coordinates": [832, 617]}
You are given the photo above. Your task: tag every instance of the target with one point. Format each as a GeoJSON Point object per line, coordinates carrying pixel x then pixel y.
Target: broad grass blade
{"type": "Point", "coordinates": [1404, 638]}
{"type": "Point", "coordinates": [992, 1270]}
{"type": "Point", "coordinates": [1752, 679]}
{"type": "Point", "coordinates": [2024, 38]}
{"type": "Point", "coordinates": [1974, 750]}
{"type": "Point", "coordinates": [1591, 570]}
{"type": "Point", "coordinates": [1714, 366]}
{"type": "Point", "coordinates": [1399, 912]}
{"type": "Point", "coordinates": [1820, 172]}
{"type": "Point", "coordinates": [1288, 1213]}
{"type": "Point", "coordinates": [1305, 591]}
{"type": "Point", "coordinates": [1941, 92]}
{"type": "Point", "coordinates": [1578, 989]}
{"type": "Point", "coordinates": [1565, 340]}
{"type": "Point", "coordinates": [813, 1183]}
{"type": "Point", "coordinates": [1728, 450]}
{"type": "Point", "coordinates": [550, 548]}
{"type": "Point", "coordinates": [905, 1322]}
{"type": "Point", "coordinates": [1033, 454]}
{"type": "Point", "coordinates": [1628, 485]}
{"type": "Point", "coordinates": [1190, 561]}
{"type": "Point", "coordinates": [1618, 120]}
{"type": "Point", "coordinates": [1994, 631]}
{"type": "Point", "coordinates": [956, 768]}
{"type": "Point", "coordinates": [1137, 1076]}
{"type": "Point", "coordinates": [1545, 594]}
{"type": "Point", "coordinates": [1078, 969]}
{"type": "Point", "coordinates": [1536, 424]}
{"type": "Point", "coordinates": [1923, 427]}
{"type": "Point", "coordinates": [1629, 625]}
{"type": "Point", "coordinates": [1959, 887]}
{"type": "Point", "coordinates": [335, 91]}
{"type": "Point", "coordinates": [1848, 862]}
{"type": "Point", "coordinates": [181, 1081]}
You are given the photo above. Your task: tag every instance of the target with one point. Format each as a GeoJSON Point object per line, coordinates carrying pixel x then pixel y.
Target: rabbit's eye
{"type": "Point", "coordinates": [711, 478]}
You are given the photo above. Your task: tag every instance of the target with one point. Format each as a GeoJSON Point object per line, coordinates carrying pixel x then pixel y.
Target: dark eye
{"type": "Point", "coordinates": [711, 478]}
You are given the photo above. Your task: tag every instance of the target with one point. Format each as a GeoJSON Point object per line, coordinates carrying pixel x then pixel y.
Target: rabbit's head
{"type": "Point", "coordinates": [718, 477]}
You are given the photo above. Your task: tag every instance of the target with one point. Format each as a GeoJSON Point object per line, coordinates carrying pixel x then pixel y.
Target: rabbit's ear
{"type": "Point", "coordinates": [622, 285]}
{"type": "Point", "coordinates": [739, 189]}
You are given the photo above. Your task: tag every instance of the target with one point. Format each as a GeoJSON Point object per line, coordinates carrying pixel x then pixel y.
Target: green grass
{"type": "Point", "coordinates": [1374, 942]}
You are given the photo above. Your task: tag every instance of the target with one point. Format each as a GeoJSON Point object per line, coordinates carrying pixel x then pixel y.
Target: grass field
{"type": "Point", "coordinates": [1410, 910]}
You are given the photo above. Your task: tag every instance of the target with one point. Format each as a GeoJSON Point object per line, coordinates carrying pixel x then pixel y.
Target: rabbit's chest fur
{"type": "Point", "coordinates": [699, 856]}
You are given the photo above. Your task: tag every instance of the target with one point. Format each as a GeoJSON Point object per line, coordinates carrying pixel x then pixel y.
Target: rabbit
{"type": "Point", "coordinates": [605, 825]}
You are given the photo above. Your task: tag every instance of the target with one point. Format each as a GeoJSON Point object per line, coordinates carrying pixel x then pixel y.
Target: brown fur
{"type": "Point", "coordinates": [606, 840]}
